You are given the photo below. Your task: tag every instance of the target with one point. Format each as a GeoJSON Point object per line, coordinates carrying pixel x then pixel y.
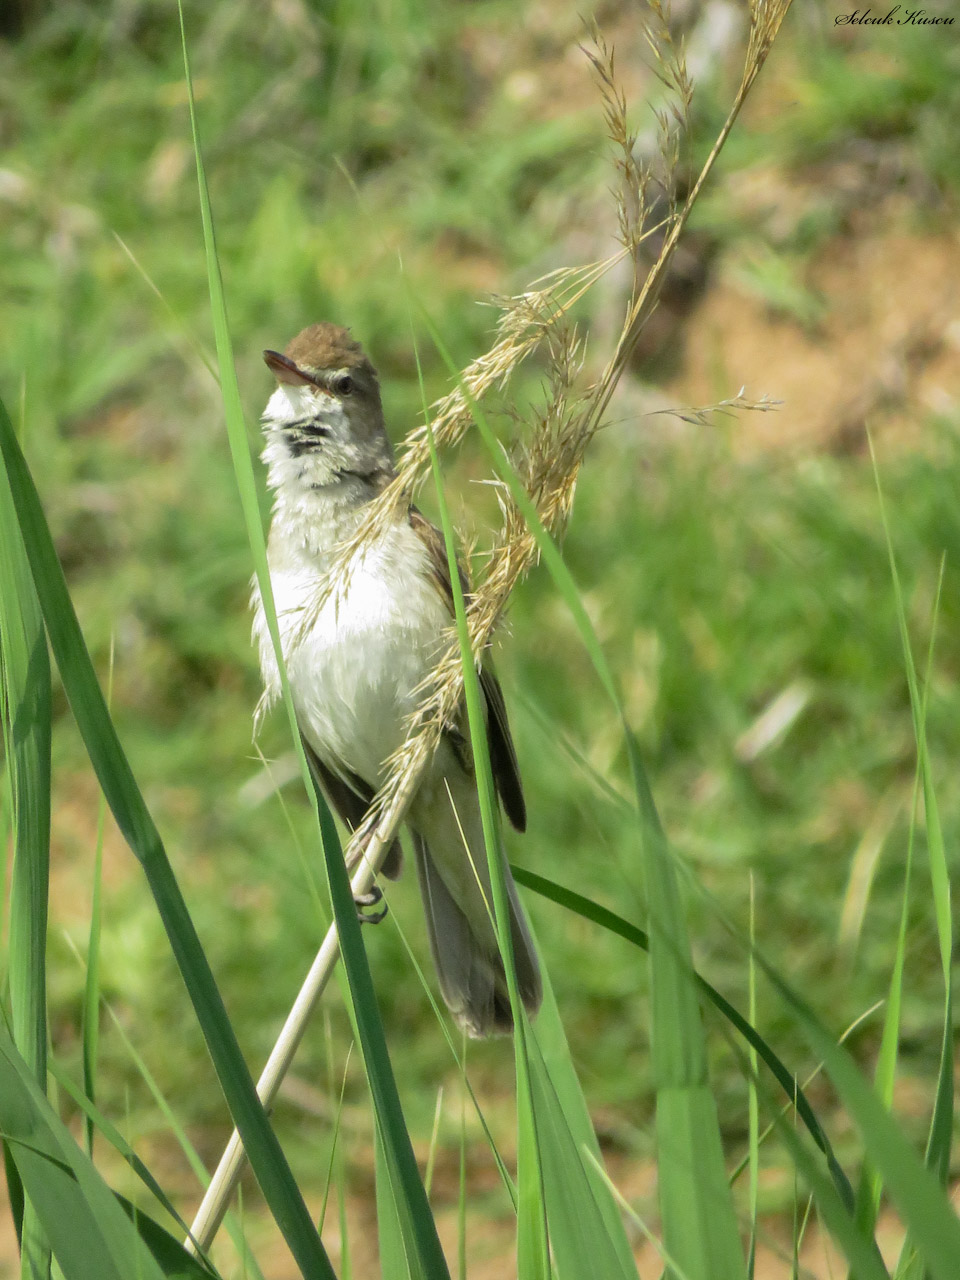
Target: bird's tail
{"type": "Point", "coordinates": [458, 904]}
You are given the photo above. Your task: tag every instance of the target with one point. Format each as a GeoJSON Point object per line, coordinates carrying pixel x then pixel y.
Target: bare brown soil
{"type": "Point", "coordinates": [885, 355]}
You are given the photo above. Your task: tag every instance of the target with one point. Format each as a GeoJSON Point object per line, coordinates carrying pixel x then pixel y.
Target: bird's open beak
{"type": "Point", "coordinates": [284, 370]}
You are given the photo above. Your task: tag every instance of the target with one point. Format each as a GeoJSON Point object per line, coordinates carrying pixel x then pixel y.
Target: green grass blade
{"type": "Point", "coordinates": [910, 1184]}
{"type": "Point", "coordinates": [422, 1251]}
{"type": "Point", "coordinates": [753, 1109]}
{"type": "Point", "coordinates": [168, 1252]}
{"type": "Point", "coordinates": [95, 1117]}
{"type": "Point", "coordinates": [462, 1193]}
{"type": "Point", "coordinates": [417, 1222]}
{"type": "Point", "coordinates": [128, 807]}
{"type": "Point", "coordinates": [566, 1124]}
{"type": "Point", "coordinates": [335, 1163]}
{"type": "Point", "coordinates": [533, 1255]}
{"type": "Point", "coordinates": [586, 1238]}
{"type": "Point", "coordinates": [791, 1086]}
{"type": "Point", "coordinates": [700, 1226]}
{"type": "Point", "coordinates": [884, 1078]}
{"type": "Point", "coordinates": [393, 1256]}
{"type": "Point", "coordinates": [25, 699]}
{"type": "Point", "coordinates": [432, 1148]}
{"type": "Point", "coordinates": [460, 1061]}
{"type": "Point", "coordinates": [233, 1222]}
{"type": "Point", "coordinates": [90, 1235]}
{"type": "Point", "coordinates": [837, 1211]}
{"type": "Point", "coordinates": [90, 1022]}
{"type": "Point", "coordinates": [422, 1244]}
{"type": "Point", "coordinates": [941, 1126]}
{"type": "Point", "coordinates": [940, 1139]}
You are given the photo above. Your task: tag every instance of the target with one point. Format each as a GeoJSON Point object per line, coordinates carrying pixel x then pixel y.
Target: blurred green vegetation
{"type": "Point", "coordinates": [338, 142]}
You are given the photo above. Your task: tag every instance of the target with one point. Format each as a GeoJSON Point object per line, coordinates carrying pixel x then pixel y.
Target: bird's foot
{"type": "Point", "coordinates": [370, 899]}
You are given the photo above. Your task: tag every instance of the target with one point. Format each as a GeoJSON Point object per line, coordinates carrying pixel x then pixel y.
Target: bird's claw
{"type": "Point", "coordinates": [370, 899]}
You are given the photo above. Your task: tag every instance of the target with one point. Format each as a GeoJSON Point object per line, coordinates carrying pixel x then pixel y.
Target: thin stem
{"type": "Point", "coordinates": [215, 1202]}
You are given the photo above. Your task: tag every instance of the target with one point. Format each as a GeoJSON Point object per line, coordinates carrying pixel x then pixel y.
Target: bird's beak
{"type": "Point", "coordinates": [284, 370]}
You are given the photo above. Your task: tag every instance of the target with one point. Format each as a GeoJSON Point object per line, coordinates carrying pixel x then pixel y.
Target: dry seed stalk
{"type": "Point", "coordinates": [548, 465]}
{"type": "Point", "coordinates": [567, 424]}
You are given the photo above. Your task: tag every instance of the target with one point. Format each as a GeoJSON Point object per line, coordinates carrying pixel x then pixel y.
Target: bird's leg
{"type": "Point", "coordinates": [370, 899]}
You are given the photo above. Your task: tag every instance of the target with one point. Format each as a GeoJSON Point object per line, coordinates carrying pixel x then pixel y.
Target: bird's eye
{"type": "Point", "coordinates": [342, 384]}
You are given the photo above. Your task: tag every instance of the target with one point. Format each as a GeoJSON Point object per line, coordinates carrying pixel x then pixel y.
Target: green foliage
{"type": "Point", "coordinates": [134, 820]}
{"type": "Point", "coordinates": [712, 585]}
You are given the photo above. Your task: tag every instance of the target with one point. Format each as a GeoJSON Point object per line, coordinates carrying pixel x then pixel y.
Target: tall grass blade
{"type": "Point", "coordinates": [393, 1256]}
{"type": "Point", "coordinates": [940, 1139]}
{"type": "Point", "coordinates": [585, 1239]}
{"type": "Point", "coordinates": [791, 1086]}
{"type": "Point", "coordinates": [700, 1227]}
{"type": "Point", "coordinates": [912, 1186]}
{"type": "Point", "coordinates": [91, 1237]}
{"type": "Point", "coordinates": [94, 1116]}
{"type": "Point", "coordinates": [462, 1191]}
{"type": "Point", "coordinates": [90, 1024]}
{"type": "Point", "coordinates": [421, 1242]}
{"type": "Point", "coordinates": [420, 1234]}
{"type": "Point", "coordinates": [599, 1220]}
{"type": "Point", "coordinates": [128, 807]}
{"type": "Point", "coordinates": [753, 1108]}
{"type": "Point", "coordinates": [234, 1223]}
{"type": "Point", "coordinates": [532, 1248]}
{"type": "Point", "coordinates": [460, 1059]}
{"type": "Point", "coordinates": [884, 1078]}
{"type": "Point", "coordinates": [25, 700]}
{"type": "Point", "coordinates": [858, 1246]}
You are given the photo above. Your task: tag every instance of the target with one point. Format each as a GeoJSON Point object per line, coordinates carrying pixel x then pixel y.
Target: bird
{"type": "Point", "coordinates": [358, 661]}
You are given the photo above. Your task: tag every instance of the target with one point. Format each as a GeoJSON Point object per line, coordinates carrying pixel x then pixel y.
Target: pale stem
{"type": "Point", "coordinates": [215, 1202]}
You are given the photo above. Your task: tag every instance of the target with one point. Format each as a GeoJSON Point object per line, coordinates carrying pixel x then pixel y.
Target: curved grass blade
{"type": "Point", "coordinates": [25, 700]}
{"type": "Point", "coordinates": [90, 1020]}
{"type": "Point", "coordinates": [98, 1120]}
{"type": "Point", "coordinates": [576, 1145]}
{"type": "Point", "coordinates": [700, 1227]}
{"type": "Point", "coordinates": [168, 1252]}
{"type": "Point", "coordinates": [533, 1252]}
{"type": "Point", "coordinates": [234, 1223]}
{"type": "Point", "coordinates": [940, 1139]}
{"type": "Point", "coordinates": [417, 1223]}
{"type": "Point", "coordinates": [912, 1186]}
{"type": "Point", "coordinates": [609, 920]}
{"type": "Point", "coordinates": [135, 823]}
{"type": "Point", "coordinates": [860, 1249]}
{"type": "Point", "coordinates": [90, 1235]}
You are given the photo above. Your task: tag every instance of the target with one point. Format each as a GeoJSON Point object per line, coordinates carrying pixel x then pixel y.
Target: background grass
{"type": "Point", "coordinates": [716, 576]}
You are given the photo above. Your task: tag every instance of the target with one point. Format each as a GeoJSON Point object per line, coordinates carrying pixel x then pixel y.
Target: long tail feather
{"type": "Point", "coordinates": [465, 951]}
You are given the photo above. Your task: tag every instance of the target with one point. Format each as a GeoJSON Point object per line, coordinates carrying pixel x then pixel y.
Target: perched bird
{"type": "Point", "coordinates": [357, 663]}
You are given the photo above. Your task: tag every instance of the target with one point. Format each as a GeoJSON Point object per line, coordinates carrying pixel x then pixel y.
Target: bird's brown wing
{"type": "Point", "coordinates": [351, 798]}
{"type": "Point", "coordinates": [503, 756]}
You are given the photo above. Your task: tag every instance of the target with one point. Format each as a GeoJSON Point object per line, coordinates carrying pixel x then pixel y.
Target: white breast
{"type": "Point", "coordinates": [356, 668]}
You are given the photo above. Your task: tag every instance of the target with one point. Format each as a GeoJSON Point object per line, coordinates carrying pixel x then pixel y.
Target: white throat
{"type": "Point", "coordinates": [315, 466]}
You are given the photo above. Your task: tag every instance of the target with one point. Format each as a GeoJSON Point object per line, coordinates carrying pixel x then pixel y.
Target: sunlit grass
{"type": "Point", "coordinates": [712, 584]}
